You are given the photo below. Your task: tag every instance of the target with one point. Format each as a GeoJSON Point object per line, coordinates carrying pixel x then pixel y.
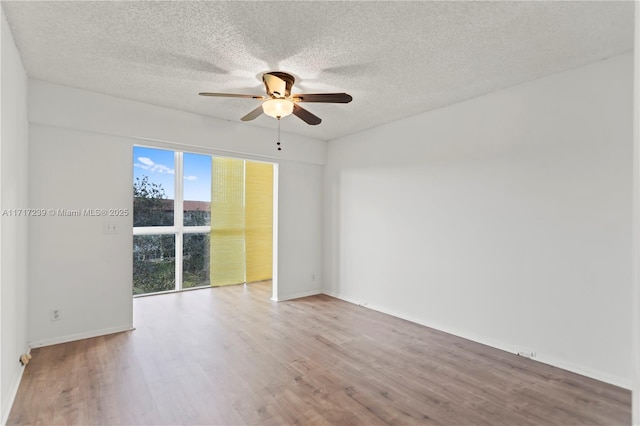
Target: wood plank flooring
{"type": "Point", "coordinates": [230, 356]}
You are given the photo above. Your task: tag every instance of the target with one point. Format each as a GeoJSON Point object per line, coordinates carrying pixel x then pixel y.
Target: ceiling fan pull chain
{"type": "Point", "coordinates": [279, 149]}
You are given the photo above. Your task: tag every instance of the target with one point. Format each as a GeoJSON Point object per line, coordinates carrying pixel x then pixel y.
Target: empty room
{"type": "Point", "coordinates": [251, 213]}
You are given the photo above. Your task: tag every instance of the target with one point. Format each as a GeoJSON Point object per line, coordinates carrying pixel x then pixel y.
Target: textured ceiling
{"type": "Point", "coordinates": [396, 59]}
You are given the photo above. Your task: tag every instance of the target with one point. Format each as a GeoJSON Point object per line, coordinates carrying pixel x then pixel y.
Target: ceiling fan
{"type": "Point", "coordinates": [279, 102]}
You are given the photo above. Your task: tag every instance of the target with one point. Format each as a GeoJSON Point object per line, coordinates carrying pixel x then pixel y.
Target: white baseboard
{"type": "Point", "coordinates": [545, 359]}
{"type": "Point", "coordinates": [80, 336]}
{"type": "Point", "coordinates": [598, 375]}
{"type": "Point", "coordinates": [7, 402]}
{"type": "Point", "coordinates": [297, 295]}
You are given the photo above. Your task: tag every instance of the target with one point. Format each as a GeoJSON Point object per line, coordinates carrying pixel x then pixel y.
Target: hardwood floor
{"type": "Point", "coordinates": [230, 356]}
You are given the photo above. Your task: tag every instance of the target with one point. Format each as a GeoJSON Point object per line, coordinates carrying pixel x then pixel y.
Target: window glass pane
{"type": "Point", "coordinates": [195, 261]}
{"type": "Point", "coordinates": [197, 189]}
{"type": "Point", "coordinates": [153, 187]}
{"type": "Point", "coordinates": [153, 263]}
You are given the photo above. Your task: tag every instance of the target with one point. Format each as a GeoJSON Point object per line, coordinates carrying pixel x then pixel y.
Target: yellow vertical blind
{"type": "Point", "coordinates": [227, 242]}
{"type": "Point", "coordinates": [258, 221]}
{"type": "Point", "coordinates": [241, 241]}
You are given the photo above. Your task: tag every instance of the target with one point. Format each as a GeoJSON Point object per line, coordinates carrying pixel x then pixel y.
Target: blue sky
{"type": "Point", "coordinates": [159, 165]}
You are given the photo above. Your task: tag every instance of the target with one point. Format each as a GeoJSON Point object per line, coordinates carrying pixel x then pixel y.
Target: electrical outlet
{"type": "Point", "coordinates": [313, 277]}
{"type": "Point", "coordinates": [54, 314]}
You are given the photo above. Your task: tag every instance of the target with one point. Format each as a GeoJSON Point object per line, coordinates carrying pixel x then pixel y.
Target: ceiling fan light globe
{"type": "Point", "coordinates": [277, 108]}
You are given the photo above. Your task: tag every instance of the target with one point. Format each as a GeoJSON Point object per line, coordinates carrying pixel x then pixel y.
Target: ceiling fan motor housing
{"type": "Point", "coordinates": [278, 84]}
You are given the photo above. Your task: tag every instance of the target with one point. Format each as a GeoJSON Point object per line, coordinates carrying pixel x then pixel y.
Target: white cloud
{"type": "Point", "coordinates": [142, 166]}
{"type": "Point", "coordinates": [190, 177]}
{"type": "Point", "coordinates": [146, 163]}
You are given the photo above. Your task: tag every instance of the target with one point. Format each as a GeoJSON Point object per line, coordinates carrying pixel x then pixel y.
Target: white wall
{"type": "Point", "coordinates": [13, 195]}
{"type": "Point", "coordinates": [75, 267]}
{"type": "Point", "coordinates": [505, 219]}
{"type": "Point", "coordinates": [81, 157]}
{"type": "Point", "coordinates": [300, 226]}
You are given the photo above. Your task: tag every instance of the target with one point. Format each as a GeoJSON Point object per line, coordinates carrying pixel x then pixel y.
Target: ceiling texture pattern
{"type": "Point", "coordinates": [396, 59]}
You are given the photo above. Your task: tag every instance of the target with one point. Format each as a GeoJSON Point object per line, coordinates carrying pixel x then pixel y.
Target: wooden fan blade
{"type": "Point", "coordinates": [337, 98]}
{"type": "Point", "coordinates": [305, 115]}
{"type": "Point", "coordinates": [253, 114]}
{"type": "Point", "coordinates": [231, 95]}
